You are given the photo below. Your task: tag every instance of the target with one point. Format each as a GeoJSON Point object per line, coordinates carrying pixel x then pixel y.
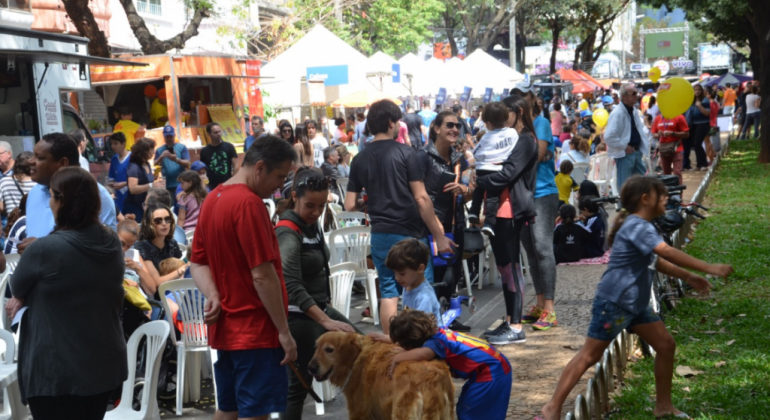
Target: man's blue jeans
{"type": "Point", "coordinates": [380, 246]}
{"type": "Point", "coordinates": [627, 166]}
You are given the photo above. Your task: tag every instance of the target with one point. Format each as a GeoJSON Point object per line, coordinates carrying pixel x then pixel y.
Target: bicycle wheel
{"type": "Point", "coordinates": [679, 285]}
{"type": "Point", "coordinates": [666, 294]}
{"type": "Point", "coordinates": [657, 305]}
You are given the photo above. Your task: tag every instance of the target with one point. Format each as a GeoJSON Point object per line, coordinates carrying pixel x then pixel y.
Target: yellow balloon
{"type": "Point", "coordinates": [583, 105]}
{"type": "Point", "coordinates": [654, 74]}
{"type": "Point", "coordinates": [600, 117]}
{"type": "Point", "coordinates": [675, 97]}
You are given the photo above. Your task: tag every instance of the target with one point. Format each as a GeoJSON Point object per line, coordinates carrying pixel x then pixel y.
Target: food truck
{"type": "Point", "coordinates": [38, 73]}
{"type": "Point", "coordinates": [198, 90]}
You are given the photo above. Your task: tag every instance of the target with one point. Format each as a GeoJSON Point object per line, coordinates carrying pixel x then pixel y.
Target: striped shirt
{"type": "Point", "coordinates": [11, 194]}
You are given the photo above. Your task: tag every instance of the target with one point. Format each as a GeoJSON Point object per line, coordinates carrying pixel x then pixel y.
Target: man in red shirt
{"type": "Point", "coordinates": [236, 264]}
{"type": "Point", "coordinates": [670, 131]}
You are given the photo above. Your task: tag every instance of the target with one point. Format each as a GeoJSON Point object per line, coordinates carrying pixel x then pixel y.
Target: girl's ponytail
{"type": "Point", "coordinates": [621, 217]}
{"type": "Point", "coordinates": [568, 214]}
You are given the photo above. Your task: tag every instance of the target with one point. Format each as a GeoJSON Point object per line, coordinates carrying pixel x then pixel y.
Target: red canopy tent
{"type": "Point", "coordinates": [581, 82]}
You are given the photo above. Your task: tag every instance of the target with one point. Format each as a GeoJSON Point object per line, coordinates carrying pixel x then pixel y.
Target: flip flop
{"type": "Point", "coordinates": [674, 416]}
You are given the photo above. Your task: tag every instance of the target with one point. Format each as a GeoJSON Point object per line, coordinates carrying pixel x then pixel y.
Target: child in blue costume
{"type": "Point", "coordinates": [487, 390]}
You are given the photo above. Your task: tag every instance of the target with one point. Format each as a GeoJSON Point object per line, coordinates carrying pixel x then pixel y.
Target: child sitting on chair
{"type": "Point", "coordinates": [487, 391]}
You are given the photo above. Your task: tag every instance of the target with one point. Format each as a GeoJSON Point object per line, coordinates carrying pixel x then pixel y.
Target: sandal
{"type": "Point", "coordinates": [674, 416]}
{"type": "Point", "coordinates": [367, 313]}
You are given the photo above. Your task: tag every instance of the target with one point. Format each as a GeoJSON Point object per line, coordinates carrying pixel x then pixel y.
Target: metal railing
{"type": "Point", "coordinates": [596, 401]}
{"type": "Point", "coordinates": [151, 8]}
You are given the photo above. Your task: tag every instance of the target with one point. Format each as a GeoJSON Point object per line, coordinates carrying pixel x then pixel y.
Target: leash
{"type": "Point", "coordinates": [304, 384]}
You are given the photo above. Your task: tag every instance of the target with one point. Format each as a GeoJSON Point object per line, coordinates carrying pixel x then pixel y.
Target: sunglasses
{"type": "Point", "coordinates": [158, 220]}
{"type": "Point", "coordinates": [286, 131]}
{"type": "Point", "coordinates": [315, 184]}
{"type": "Point", "coordinates": [451, 125]}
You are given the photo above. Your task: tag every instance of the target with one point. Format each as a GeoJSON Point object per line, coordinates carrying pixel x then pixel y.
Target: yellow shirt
{"type": "Point", "coordinates": [565, 184]}
{"type": "Point", "coordinates": [157, 111]}
{"type": "Point", "coordinates": [128, 128]}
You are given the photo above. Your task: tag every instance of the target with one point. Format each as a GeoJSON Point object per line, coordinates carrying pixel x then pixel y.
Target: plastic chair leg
{"type": "Point", "coordinates": [180, 370]}
{"type": "Point", "coordinates": [194, 378]}
{"type": "Point", "coordinates": [319, 406]}
{"type": "Point", "coordinates": [371, 291]}
{"type": "Point", "coordinates": [482, 260]}
{"type": "Point", "coordinates": [213, 358]}
{"type": "Point", "coordinates": [467, 274]}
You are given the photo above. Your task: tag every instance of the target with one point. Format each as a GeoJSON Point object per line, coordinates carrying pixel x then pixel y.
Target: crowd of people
{"type": "Point", "coordinates": [87, 249]}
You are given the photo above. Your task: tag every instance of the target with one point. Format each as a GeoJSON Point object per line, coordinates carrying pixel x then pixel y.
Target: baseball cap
{"type": "Point", "coordinates": [198, 165]}
{"type": "Point", "coordinates": [607, 99]}
{"type": "Point", "coordinates": [650, 91]}
{"type": "Point", "coordinates": [162, 94]}
{"type": "Point", "coordinates": [523, 87]}
{"type": "Point", "coordinates": [168, 131]}
{"type": "Point", "coordinates": [585, 113]}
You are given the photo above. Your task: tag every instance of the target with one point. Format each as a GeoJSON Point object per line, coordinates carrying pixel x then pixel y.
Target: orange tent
{"type": "Point", "coordinates": [581, 82]}
{"type": "Point", "coordinates": [607, 83]}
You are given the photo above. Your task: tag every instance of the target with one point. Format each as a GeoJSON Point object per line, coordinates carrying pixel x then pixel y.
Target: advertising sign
{"type": "Point", "coordinates": [466, 94]}
{"type": "Point", "coordinates": [663, 66]}
{"type": "Point", "coordinates": [255, 94]}
{"type": "Point", "coordinates": [441, 97]}
{"type": "Point", "coordinates": [506, 93]}
{"type": "Point", "coordinates": [488, 95]}
{"type": "Point", "coordinates": [669, 44]}
{"type": "Point", "coordinates": [396, 73]}
{"type": "Point", "coordinates": [639, 67]}
{"type": "Point", "coordinates": [330, 75]}
{"type": "Point", "coordinates": [714, 56]}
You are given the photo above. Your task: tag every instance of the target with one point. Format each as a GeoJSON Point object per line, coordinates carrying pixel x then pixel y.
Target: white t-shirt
{"type": "Point", "coordinates": [319, 144]}
{"type": "Point", "coordinates": [751, 103]}
{"type": "Point", "coordinates": [654, 111]}
{"type": "Point", "coordinates": [494, 148]}
{"type": "Point", "coordinates": [84, 163]}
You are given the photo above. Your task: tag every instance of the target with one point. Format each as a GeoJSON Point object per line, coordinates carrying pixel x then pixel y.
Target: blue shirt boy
{"type": "Point", "coordinates": [423, 298]}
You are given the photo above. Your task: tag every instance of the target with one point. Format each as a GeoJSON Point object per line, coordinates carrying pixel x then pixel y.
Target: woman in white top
{"type": "Point", "coordinates": [752, 114]}
{"type": "Point", "coordinates": [14, 187]}
{"type": "Point", "coordinates": [579, 151]}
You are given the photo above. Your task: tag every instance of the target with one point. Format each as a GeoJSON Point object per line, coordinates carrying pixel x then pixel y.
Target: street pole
{"type": "Point", "coordinates": [512, 36]}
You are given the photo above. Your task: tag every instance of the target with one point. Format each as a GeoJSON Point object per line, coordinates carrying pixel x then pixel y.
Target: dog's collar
{"type": "Point", "coordinates": [346, 381]}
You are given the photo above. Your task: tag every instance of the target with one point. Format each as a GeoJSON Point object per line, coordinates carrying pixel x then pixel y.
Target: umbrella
{"type": "Point", "coordinates": [363, 98]}
{"type": "Point", "coordinates": [731, 78]}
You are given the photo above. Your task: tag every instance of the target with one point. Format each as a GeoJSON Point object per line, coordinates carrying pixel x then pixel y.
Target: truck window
{"type": "Point", "coordinates": [70, 122]}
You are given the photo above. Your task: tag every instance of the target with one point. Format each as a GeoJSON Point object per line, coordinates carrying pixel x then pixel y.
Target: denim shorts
{"type": "Point", "coordinates": [608, 320]}
{"type": "Point", "coordinates": [251, 382]}
{"type": "Point", "coordinates": [380, 246]}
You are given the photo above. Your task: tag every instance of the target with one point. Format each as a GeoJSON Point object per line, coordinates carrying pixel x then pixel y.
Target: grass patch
{"type": "Point", "coordinates": [736, 315]}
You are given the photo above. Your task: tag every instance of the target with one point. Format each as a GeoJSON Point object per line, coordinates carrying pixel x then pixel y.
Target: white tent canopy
{"type": "Point", "coordinates": [383, 64]}
{"type": "Point", "coordinates": [317, 48]}
{"type": "Point", "coordinates": [480, 71]}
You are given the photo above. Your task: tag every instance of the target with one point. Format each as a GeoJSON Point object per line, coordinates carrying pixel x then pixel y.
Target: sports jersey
{"type": "Point", "coordinates": [468, 357]}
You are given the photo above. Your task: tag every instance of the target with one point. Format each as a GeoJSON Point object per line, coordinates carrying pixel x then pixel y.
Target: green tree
{"type": "Point", "coordinates": [393, 26]}
{"type": "Point", "coordinates": [593, 22]}
{"type": "Point", "coordinates": [480, 22]}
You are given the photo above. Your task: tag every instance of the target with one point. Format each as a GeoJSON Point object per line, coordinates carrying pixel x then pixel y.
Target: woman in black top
{"type": "Point", "coordinates": [139, 177]}
{"type": "Point", "coordinates": [156, 243]}
{"type": "Point", "coordinates": [304, 258]}
{"type": "Point", "coordinates": [441, 163]}
{"type": "Point", "coordinates": [72, 353]}
{"type": "Point", "coordinates": [517, 177]}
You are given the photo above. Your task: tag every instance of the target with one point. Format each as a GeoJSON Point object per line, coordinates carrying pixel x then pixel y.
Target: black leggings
{"type": "Point", "coordinates": [699, 133]}
{"type": "Point", "coordinates": [506, 248]}
{"type": "Point", "coordinates": [70, 407]}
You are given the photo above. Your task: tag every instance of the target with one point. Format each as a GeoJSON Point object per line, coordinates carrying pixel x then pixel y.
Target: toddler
{"type": "Point", "coordinates": [564, 182]}
{"type": "Point", "coordinates": [493, 149]}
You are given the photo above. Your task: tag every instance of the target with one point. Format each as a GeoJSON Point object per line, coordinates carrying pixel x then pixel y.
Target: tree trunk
{"type": "Point", "coordinates": [152, 45]}
{"type": "Point", "coordinates": [81, 15]}
{"type": "Point", "coordinates": [556, 31]}
{"type": "Point", "coordinates": [449, 24]}
{"type": "Point", "coordinates": [760, 20]}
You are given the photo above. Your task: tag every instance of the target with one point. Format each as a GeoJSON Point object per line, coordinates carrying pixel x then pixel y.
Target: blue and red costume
{"type": "Point", "coordinates": [487, 391]}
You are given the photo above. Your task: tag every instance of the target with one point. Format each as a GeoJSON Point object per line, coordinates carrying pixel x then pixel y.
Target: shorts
{"type": "Point", "coordinates": [608, 320]}
{"type": "Point", "coordinates": [485, 400]}
{"type": "Point", "coordinates": [380, 246]}
{"type": "Point", "coordinates": [251, 382]}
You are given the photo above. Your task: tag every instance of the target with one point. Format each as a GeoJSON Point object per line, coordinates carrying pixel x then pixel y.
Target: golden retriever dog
{"type": "Point", "coordinates": [359, 366]}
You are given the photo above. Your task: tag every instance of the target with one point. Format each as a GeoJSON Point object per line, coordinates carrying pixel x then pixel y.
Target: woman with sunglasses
{"type": "Point", "coordinates": [304, 258]}
{"type": "Point", "coordinates": [286, 132]}
{"type": "Point", "coordinates": [156, 242]}
{"type": "Point", "coordinates": [72, 353]}
{"type": "Point", "coordinates": [442, 182]}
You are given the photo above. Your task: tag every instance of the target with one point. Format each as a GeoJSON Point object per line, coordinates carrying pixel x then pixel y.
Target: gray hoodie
{"type": "Point", "coordinates": [71, 339]}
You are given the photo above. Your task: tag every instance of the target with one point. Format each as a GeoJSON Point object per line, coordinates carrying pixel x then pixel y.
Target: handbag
{"type": "Point", "coordinates": [668, 149]}
{"type": "Point", "coordinates": [473, 242]}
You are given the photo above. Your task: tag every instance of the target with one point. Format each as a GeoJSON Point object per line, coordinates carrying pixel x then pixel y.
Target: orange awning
{"type": "Point", "coordinates": [606, 83]}
{"type": "Point", "coordinates": [581, 83]}
{"type": "Point", "coordinates": [363, 98]}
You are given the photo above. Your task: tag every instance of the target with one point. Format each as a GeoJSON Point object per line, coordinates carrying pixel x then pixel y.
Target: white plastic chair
{"type": "Point", "coordinates": [189, 235]}
{"type": "Point", "coordinates": [270, 206]}
{"type": "Point", "coordinates": [341, 283]}
{"type": "Point", "coordinates": [346, 217]}
{"type": "Point", "coordinates": [183, 248]}
{"type": "Point", "coordinates": [194, 337]}
{"type": "Point", "coordinates": [355, 242]}
{"type": "Point", "coordinates": [12, 406]}
{"type": "Point", "coordinates": [342, 187]}
{"type": "Point", "coordinates": [601, 172]}
{"type": "Point", "coordinates": [11, 261]}
{"type": "Point", "coordinates": [156, 332]}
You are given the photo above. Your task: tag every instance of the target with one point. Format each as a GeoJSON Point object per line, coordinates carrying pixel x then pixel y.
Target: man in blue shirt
{"type": "Point", "coordinates": [257, 130]}
{"type": "Point", "coordinates": [53, 152]}
{"type": "Point", "coordinates": [173, 159]}
{"type": "Point", "coordinates": [427, 115]}
{"type": "Point", "coordinates": [537, 238]}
